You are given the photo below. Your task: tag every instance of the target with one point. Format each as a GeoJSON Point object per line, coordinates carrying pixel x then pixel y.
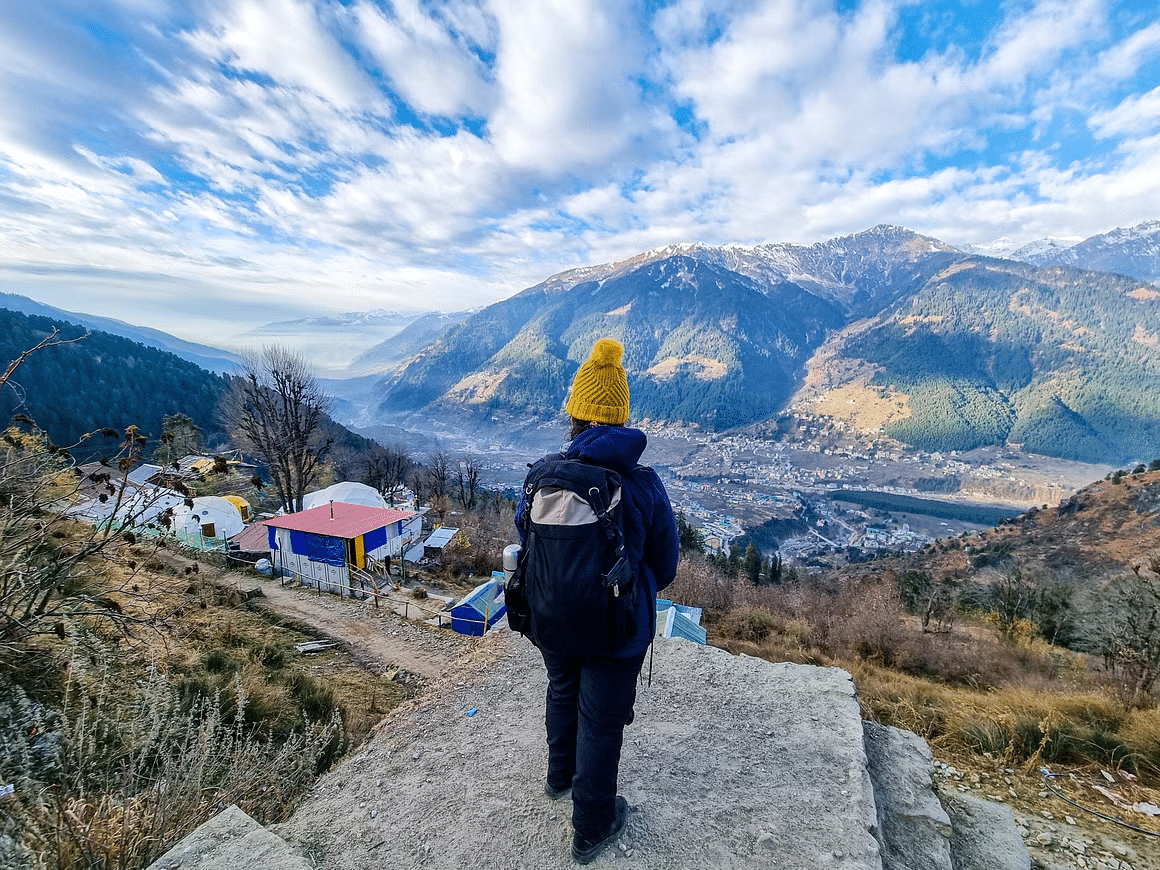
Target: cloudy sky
{"type": "Point", "coordinates": [187, 164]}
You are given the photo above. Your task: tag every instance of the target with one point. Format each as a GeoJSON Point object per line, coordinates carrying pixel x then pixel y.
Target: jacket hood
{"type": "Point", "coordinates": [616, 447]}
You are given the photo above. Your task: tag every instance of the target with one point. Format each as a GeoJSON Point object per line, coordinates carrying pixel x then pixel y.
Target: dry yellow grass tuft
{"type": "Point", "coordinates": [201, 692]}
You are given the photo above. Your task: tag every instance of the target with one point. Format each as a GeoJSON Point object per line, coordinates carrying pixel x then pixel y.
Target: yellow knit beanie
{"type": "Point", "coordinates": [600, 390]}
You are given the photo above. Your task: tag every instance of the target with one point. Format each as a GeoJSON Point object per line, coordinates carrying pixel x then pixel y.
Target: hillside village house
{"type": "Point", "coordinates": [325, 545]}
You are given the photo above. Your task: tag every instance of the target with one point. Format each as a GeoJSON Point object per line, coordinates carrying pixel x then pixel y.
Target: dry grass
{"type": "Point", "coordinates": [156, 728]}
{"type": "Point", "coordinates": [966, 691]}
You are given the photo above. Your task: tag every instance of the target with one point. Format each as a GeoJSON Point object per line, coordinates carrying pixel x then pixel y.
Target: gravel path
{"type": "Point", "coordinates": [377, 639]}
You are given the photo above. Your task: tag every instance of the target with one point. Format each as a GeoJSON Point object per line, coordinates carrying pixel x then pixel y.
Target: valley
{"type": "Point", "coordinates": [733, 483]}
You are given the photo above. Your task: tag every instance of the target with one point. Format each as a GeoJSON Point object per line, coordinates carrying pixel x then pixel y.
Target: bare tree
{"type": "Point", "coordinates": [935, 602]}
{"type": "Point", "coordinates": [387, 469]}
{"type": "Point", "coordinates": [467, 481]}
{"type": "Point", "coordinates": [1132, 624]}
{"type": "Point", "coordinates": [277, 410]}
{"type": "Point", "coordinates": [346, 463]}
{"type": "Point", "coordinates": [419, 483]}
{"type": "Point", "coordinates": [438, 474]}
{"type": "Point", "coordinates": [1017, 596]}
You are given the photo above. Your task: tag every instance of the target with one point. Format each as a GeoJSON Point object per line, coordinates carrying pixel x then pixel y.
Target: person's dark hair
{"type": "Point", "coordinates": [579, 426]}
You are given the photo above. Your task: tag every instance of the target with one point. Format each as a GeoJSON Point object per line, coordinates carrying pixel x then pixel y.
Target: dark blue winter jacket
{"type": "Point", "coordinates": [650, 530]}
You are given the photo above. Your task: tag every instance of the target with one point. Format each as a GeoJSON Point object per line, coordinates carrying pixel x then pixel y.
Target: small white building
{"type": "Point", "coordinates": [210, 516]}
{"type": "Point", "coordinates": [347, 492]}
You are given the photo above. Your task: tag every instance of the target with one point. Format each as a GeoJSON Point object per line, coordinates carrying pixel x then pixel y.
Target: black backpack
{"type": "Point", "coordinates": [573, 590]}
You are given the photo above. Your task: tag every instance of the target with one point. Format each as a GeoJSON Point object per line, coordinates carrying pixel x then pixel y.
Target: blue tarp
{"type": "Point", "coordinates": [272, 536]}
{"type": "Point", "coordinates": [374, 539]}
{"type": "Point", "coordinates": [322, 548]}
{"type": "Point", "coordinates": [318, 548]}
{"type": "Point", "coordinates": [693, 613]}
{"type": "Point", "coordinates": [467, 617]}
{"type": "Point", "coordinates": [679, 620]}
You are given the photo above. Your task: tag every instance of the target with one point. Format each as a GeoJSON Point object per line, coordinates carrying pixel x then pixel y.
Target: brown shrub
{"type": "Point", "coordinates": [867, 624]}
{"type": "Point", "coordinates": [1142, 731]}
{"type": "Point", "coordinates": [699, 584]}
{"type": "Point", "coordinates": [748, 624]}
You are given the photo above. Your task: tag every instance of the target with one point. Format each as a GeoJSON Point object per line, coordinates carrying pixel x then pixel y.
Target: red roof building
{"type": "Point", "coordinates": [325, 544]}
{"type": "Point", "coordinates": [339, 520]}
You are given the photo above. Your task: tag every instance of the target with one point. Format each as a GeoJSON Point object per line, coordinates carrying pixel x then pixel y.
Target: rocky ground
{"type": "Point", "coordinates": [1060, 835]}
{"type": "Point", "coordinates": [731, 763]}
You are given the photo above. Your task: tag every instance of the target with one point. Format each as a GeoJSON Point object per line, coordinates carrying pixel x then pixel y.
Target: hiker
{"type": "Point", "coordinates": [592, 680]}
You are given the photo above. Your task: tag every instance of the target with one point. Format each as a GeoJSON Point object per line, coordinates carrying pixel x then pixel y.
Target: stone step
{"type": "Point", "coordinates": [921, 830]}
{"type": "Point", "coordinates": [231, 840]}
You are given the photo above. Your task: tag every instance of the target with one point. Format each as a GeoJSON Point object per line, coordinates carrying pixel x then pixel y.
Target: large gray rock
{"type": "Point", "coordinates": [231, 840]}
{"type": "Point", "coordinates": [985, 836]}
{"type": "Point", "coordinates": [913, 828]}
{"type": "Point", "coordinates": [732, 763]}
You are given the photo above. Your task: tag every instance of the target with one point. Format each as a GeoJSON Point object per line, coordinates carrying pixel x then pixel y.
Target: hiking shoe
{"type": "Point", "coordinates": [557, 793]}
{"type": "Point", "coordinates": [584, 851]}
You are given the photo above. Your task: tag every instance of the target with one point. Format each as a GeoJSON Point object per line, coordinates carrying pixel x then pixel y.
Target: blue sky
{"type": "Point", "coordinates": [205, 166]}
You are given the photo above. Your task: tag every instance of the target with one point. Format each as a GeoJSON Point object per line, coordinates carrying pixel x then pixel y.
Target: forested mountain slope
{"type": "Point", "coordinates": [100, 381]}
{"type": "Point", "coordinates": [712, 336]}
{"type": "Point", "coordinates": [973, 350]}
{"type": "Point", "coordinates": [1061, 361]}
{"type": "Point", "coordinates": [706, 344]}
{"type": "Point", "coordinates": [210, 358]}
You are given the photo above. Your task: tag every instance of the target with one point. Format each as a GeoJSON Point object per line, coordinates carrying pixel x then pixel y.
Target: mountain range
{"type": "Point", "coordinates": [1051, 347]}
{"type": "Point", "coordinates": [356, 343]}
{"type": "Point", "coordinates": [972, 350]}
{"type": "Point", "coordinates": [98, 380]}
{"type": "Point", "coordinates": [1133, 252]}
{"type": "Point", "coordinates": [209, 358]}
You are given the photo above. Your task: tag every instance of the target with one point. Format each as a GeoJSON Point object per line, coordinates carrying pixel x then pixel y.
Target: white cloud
{"type": "Point", "coordinates": [1134, 116]}
{"type": "Point", "coordinates": [257, 153]}
{"type": "Point", "coordinates": [1031, 43]}
{"type": "Point", "coordinates": [433, 70]}
{"type": "Point", "coordinates": [567, 73]}
{"type": "Point", "coordinates": [429, 191]}
{"type": "Point", "coordinates": [1124, 58]}
{"type": "Point", "coordinates": [286, 41]}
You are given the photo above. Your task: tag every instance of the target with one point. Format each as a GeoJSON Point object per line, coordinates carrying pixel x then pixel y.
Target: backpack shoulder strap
{"type": "Point", "coordinates": [540, 473]}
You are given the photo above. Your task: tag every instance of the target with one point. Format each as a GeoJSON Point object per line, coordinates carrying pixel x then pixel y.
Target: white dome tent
{"type": "Point", "coordinates": [347, 492]}
{"type": "Point", "coordinates": [208, 510]}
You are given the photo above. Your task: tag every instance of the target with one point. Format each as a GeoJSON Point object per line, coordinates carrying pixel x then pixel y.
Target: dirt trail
{"type": "Point", "coordinates": [377, 639]}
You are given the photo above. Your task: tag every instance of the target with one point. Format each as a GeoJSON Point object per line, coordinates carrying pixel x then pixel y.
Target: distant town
{"type": "Point", "coordinates": [742, 483]}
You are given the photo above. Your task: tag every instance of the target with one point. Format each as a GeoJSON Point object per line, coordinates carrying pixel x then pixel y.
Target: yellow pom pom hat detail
{"type": "Point", "coordinates": [600, 389]}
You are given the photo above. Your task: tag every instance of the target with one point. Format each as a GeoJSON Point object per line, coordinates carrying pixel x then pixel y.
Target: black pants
{"type": "Point", "coordinates": [589, 702]}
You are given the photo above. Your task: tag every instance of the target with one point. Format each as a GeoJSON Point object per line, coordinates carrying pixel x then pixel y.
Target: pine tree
{"type": "Point", "coordinates": [773, 570]}
{"type": "Point", "coordinates": [692, 541]}
{"type": "Point", "coordinates": [753, 564]}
